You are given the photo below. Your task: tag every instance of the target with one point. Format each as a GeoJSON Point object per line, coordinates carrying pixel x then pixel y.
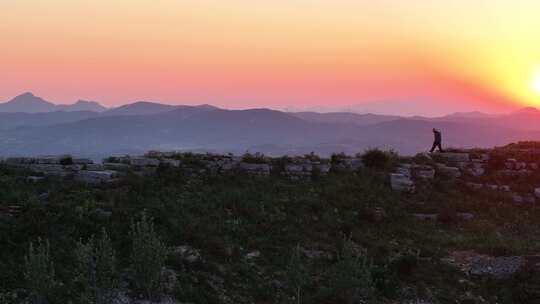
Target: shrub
{"type": "Point", "coordinates": [257, 158]}
{"type": "Point", "coordinates": [297, 274]}
{"type": "Point", "coordinates": [39, 272]}
{"type": "Point", "coordinates": [378, 159]}
{"type": "Point", "coordinates": [312, 157]}
{"type": "Point", "coordinates": [66, 160]}
{"type": "Point", "coordinates": [351, 278]}
{"type": "Point", "coordinates": [95, 271]}
{"type": "Point", "coordinates": [337, 157]}
{"type": "Point", "coordinates": [148, 256]}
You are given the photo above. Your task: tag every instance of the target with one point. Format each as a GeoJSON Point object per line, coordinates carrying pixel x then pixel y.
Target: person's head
{"type": "Point", "coordinates": [434, 130]}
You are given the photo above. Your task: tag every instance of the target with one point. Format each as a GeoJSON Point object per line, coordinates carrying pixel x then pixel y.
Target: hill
{"type": "Point", "coordinates": [255, 229]}
{"type": "Point", "coordinates": [29, 103]}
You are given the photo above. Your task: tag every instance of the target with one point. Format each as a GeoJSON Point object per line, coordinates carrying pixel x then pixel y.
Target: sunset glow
{"type": "Point", "coordinates": [462, 55]}
{"type": "Point", "coordinates": [536, 83]}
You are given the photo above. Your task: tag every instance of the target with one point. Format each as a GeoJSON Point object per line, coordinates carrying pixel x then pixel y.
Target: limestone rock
{"type": "Point", "coordinates": [95, 177]}
{"type": "Point", "coordinates": [402, 183]}
{"type": "Point", "coordinates": [187, 253]}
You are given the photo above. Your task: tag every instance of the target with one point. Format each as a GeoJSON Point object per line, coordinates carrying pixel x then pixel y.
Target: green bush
{"type": "Point", "coordinates": [257, 158]}
{"type": "Point", "coordinates": [95, 270]}
{"type": "Point", "coordinates": [147, 257]}
{"type": "Point", "coordinates": [378, 159]}
{"type": "Point", "coordinates": [351, 278]}
{"type": "Point", "coordinates": [39, 272]}
{"type": "Point", "coordinates": [297, 274]}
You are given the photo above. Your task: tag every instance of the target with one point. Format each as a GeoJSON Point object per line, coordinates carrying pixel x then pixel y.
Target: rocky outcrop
{"type": "Point", "coordinates": [96, 177]}
{"type": "Point", "coordinates": [401, 182]}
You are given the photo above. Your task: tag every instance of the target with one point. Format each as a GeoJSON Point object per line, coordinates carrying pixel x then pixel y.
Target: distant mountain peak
{"type": "Point", "coordinates": [25, 95]}
{"type": "Point", "coordinates": [531, 110]}
{"type": "Point", "coordinates": [29, 103]}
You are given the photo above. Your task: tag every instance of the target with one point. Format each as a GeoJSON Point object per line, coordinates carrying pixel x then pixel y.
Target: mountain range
{"type": "Point", "coordinates": [30, 125]}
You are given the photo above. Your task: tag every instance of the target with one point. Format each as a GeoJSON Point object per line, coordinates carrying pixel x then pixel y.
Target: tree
{"type": "Point", "coordinates": [147, 257]}
{"type": "Point", "coordinates": [95, 271]}
{"type": "Point", "coordinates": [39, 272]}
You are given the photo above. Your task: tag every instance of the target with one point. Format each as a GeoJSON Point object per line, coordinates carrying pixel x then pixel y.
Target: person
{"type": "Point", "coordinates": [437, 141]}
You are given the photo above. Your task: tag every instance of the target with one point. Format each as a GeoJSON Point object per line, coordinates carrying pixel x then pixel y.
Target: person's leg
{"type": "Point", "coordinates": [433, 147]}
{"type": "Point", "coordinates": [440, 147]}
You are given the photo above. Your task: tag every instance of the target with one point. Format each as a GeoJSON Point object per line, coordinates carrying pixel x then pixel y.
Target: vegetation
{"type": "Point", "coordinates": [147, 257]}
{"type": "Point", "coordinates": [96, 271]}
{"type": "Point", "coordinates": [341, 238]}
{"type": "Point", "coordinates": [378, 159]}
{"type": "Point", "coordinates": [39, 272]}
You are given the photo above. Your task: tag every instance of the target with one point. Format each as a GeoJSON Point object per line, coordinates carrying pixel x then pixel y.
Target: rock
{"type": "Point", "coordinates": [378, 214]}
{"type": "Point", "coordinates": [402, 183]}
{"type": "Point", "coordinates": [174, 163]}
{"type": "Point", "coordinates": [103, 213]}
{"type": "Point", "coordinates": [48, 169]}
{"type": "Point", "coordinates": [253, 255]}
{"type": "Point", "coordinates": [255, 169]}
{"type": "Point", "coordinates": [95, 167]}
{"type": "Point", "coordinates": [35, 179]}
{"type": "Point", "coordinates": [82, 161]}
{"type": "Point", "coordinates": [317, 254]}
{"type": "Point", "coordinates": [423, 157]}
{"type": "Point", "coordinates": [520, 165]}
{"type": "Point", "coordinates": [529, 199]}
{"type": "Point", "coordinates": [144, 162]}
{"type": "Point", "coordinates": [95, 177]}
{"type": "Point", "coordinates": [518, 199]}
{"type": "Point", "coordinates": [496, 267]}
{"type": "Point", "coordinates": [475, 186]}
{"type": "Point", "coordinates": [452, 172]}
{"type": "Point", "coordinates": [423, 172]}
{"type": "Point", "coordinates": [277, 284]}
{"type": "Point", "coordinates": [169, 279]}
{"type": "Point", "coordinates": [483, 265]}
{"type": "Point", "coordinates": [426, 216]}
{"type": "Point", "coordinates": [537, 192]}
{"type": "Point", "coordinates": [476, 171]}
{"type": "Point", "coordinates": [533, 166]}
{"type": "Point", "coordinates": [404, 170]}
{"type": "Point", "coordinates": [324, 169]}
{"type": "Point", "coordinates": [492, 187]}
{"type": "Point", "coordinates": [353, 164]}
{"type": "Point", "coordinates": [465, 216]}
{"type": "Point", "coordinates": [116, 166]}
{"type": "Point", "coordinates": [510, 164]}
{"type": "Point", "coordinates": [504, 188]}
{"type": "Point", "coordinates": [484, 157]}
{"type": "Point", "coordinates": [454, 157]}
{"type": "Point", "coordinates": [187, 254]}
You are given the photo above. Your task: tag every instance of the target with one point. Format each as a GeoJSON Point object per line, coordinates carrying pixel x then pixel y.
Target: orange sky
{"type": "Point", "coordinates": [482, 55]}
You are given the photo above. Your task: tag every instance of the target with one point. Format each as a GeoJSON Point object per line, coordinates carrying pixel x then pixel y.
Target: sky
{"type": "Point", "coordinates": [438, 56]}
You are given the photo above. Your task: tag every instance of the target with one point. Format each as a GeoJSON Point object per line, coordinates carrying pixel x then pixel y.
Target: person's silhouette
{"type": "Point", "coordinates": [437, 140]}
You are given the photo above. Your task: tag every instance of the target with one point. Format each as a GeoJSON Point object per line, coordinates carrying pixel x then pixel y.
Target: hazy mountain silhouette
{"type": "Point", "coordinates": [344, 117]}
{"type": "Point", "coordinates": [141, 126]}
{"type": "Point", "coordinates": [29, 103]}
{"type": "Point", "coordinates": [82, 105]}
{"type": "Point", "coordinates": [149, 108]}
{"type": "Point", "coordinates": [17, 119]}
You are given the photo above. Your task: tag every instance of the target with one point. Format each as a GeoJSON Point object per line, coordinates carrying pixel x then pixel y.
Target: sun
{"type": "Point", "coordinates": [535, 83]}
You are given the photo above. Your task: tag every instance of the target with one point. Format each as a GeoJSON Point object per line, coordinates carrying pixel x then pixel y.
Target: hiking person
{"type": "Point", "coordinates": [436, 141]}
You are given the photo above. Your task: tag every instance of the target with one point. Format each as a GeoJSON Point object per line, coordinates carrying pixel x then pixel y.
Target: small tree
{"type": "Point", "coordinates": [96, 270]}
{"type": "Point", "coordinates": [351, 277]}
{"type": "Point", "coordinates": [39, 272]}
{"type": "Point", "coordinates": [148, 256]}
{"type": "Point", "coordinates": [378, 159]}
{"type": "Point", "coordinates": [297, 273]}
